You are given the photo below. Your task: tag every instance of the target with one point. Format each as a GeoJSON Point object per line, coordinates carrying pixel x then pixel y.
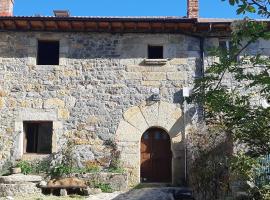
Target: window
{"type": "Point", "coordinates": [225, 44]}
{"type": "Point", "coordinates": [48, 53]}
{"type": "Point", "coordinates": [155, 52]}
{"type": "Point", "coordinates": [38, 137]}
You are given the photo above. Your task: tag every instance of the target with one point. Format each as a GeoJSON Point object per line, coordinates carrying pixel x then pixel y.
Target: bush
{"type": "Point", "coordinates": [91, 167]}
{"type": "Point", "coordinates": [25, 166]}
{"type": "Point", "coordinates": [59, 170]}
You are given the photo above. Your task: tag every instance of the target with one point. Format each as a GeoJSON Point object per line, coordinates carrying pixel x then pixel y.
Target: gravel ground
{"type": "Point", "coordinates": [136, 194]}
{"type": "Point", "coordinates": [102, 196]}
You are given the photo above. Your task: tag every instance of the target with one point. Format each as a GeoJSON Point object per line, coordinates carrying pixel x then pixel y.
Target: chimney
{"type": "Point", "coordinates": [192, 8]}
{"type": "Point", "coordinates": [6, 7]}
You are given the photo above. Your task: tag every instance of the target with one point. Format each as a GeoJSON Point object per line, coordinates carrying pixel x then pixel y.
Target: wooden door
{"type": "Point", "coordinates": [156, 156]}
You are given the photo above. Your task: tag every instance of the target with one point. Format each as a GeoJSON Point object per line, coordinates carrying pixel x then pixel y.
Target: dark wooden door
{"type": "Point", "coordinates": [156, 156]}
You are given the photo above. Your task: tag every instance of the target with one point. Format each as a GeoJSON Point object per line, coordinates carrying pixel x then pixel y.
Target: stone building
{"type": "Point", "coordinates": [100, 79]}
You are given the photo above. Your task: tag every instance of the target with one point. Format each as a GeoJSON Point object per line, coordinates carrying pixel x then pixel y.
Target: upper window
{"type": "Point", "coordinates": [48, 53]}
{"type": "Point", "coordinates": [38, 137]}
{"type": "Point", "coordinates": [155, 52]}
{"type": "Point", "coordinates": [225, 44]}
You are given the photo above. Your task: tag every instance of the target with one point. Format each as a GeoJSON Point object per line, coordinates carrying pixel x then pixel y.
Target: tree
{"type": "Point", "coordinates": [232, 90]}
{"type": "Point", "coordinates": [253, 6]}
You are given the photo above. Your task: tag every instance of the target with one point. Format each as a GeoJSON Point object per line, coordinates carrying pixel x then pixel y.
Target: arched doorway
{"type": "Point", "coordinates": [156, 156]}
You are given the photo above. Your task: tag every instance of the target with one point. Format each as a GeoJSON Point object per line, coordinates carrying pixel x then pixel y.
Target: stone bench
{"type": "Point", "coordinates": [64, 190]}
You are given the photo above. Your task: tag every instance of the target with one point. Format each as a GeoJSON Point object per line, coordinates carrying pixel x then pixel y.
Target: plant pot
{"type": "Point", "coordinates": [16, 170]}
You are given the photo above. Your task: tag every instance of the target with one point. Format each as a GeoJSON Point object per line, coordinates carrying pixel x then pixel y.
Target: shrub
{"type": "Point", "coordinates": [25, 166]}
{"type": "Point", "coordinates": [91, 167]}
{"type": "Point", "coordinates": [59, 170]}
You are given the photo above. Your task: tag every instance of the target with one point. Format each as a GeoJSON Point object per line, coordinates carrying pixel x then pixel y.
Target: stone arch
{"type": "Point", "coordinates": [136, 120]}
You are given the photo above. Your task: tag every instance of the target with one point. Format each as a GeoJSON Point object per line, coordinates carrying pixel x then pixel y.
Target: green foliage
{"type": "Point", "coordinates": [231, 106]}
{"type": "Point", "coordinates": [245, 167]}
{"type": "Point", "coordinates": [119, 170]}
{"type": "Point", "coordinates": [25, 166]}
{"type": "Point", "coordinates": [253, 6]}
{"type": "Point", "coordinates": [42, 166]}
{"type": "Point", "coordinates": [59, 170]}
{"type": "Point", "coordinates": [105, 187]}
{"type": "Point", "coordinates": [66, 165]}
{"type": "Point", "coordinates": [92, 167]}
{"type": "Point", "coordinates": [208, 173]}
{"type": "Point", "coordinates": [229, 93]}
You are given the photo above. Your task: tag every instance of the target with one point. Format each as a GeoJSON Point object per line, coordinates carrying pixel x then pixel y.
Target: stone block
{"type": "Point", "coordinates": [175, 76]}
{"type": "Point", "coordinates": [117, 181]}
{"type": "Point", "coordinates": [36, 115]}
{"type": "Point", "coordinates": [54, 103]}
{"type": "Point", "coordinates": [63, 192]}
{"type": "Point", "coordinates": [20, 178]}
{"type": "Point", "coordinates": [63, 114]}
{"type": "Point", "coordinates": [135, 118]}
{"type": "Point", "coordinates": [169, 115]}
{"type": "Point", "coordinates": [150, 113]}
{"type": "Point", "coordinates": [154, 76]}
{"type": "Point", "coordinates": [3, 93]}
{"type": "Point", "coordinates": [133, 75]}
{"type": "Point", "coordinates": [2, 103]}
{"type": "Point", "coordinates": [91, 191]}
{"type": "Point", "coordinates": [179, 61]}
{"type": "Point", "coordinates": [22, 190]}
{"type": "Point", "coordinates": [127, 132]}
{"type": "Point", "coordinates": [151, 83]}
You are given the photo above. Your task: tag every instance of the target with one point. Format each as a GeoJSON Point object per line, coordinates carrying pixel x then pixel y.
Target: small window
{"type": "Point", "coordinates": [38, 137]}
{"type": "Point", "coordinates": [155, 52]}
{"type": "Point", "coordinates": [48, 53]}
{"type": "Point", "coordinates": [224, 44]}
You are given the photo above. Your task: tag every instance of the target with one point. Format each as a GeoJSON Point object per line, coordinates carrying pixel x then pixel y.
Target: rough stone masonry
{"type": "Point", "coordinates": [99, 78]}
{"type": "Point", "coordinates": [101, 90]}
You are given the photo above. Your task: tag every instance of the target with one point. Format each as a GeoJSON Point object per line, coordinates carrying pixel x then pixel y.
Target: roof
{"type": "Point", "coordinates": [114, 24]}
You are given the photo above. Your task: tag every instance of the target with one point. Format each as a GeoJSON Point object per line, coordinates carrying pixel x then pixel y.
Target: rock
{"type": "Point", "coordinates": [16, 170]}
{"type": "Point", "coordinates": [19, 189]}
{"type": "Point", "coordinates": [63, 192]}
{"type": "Point", "coordinates": [20, 178]}
{"type": "Point", "coordinates": [91, 191]}
{"type": "Point", "coordinates": [42, 183]}
{"type": "Point", "coordinates": [118, 182]}
{"type": "Point", "coordinates": [66, 182]}
{"type": "Point", "coordinates": [9, 198]}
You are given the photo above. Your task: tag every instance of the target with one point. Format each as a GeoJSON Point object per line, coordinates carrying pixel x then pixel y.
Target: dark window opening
{"type": "Point", "coordinates": [48, 53]}
{"type": "Point", "coordinates": [225, 44]}
{"type": "Point", "coordinates": [38, 137]}
{"type": "Point", "coordinates": [155, 52]}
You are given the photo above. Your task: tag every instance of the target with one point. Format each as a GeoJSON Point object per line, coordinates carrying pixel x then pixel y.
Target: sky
{"type": "Point", "coordinates": [208, 8]}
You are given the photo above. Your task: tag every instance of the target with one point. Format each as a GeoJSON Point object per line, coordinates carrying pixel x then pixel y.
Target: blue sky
{"type": "Point", "coordinates": [208, 8]}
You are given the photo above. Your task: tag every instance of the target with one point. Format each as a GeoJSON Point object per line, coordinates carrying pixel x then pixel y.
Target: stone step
{"type": "Point", "coordinates": [20, 178]}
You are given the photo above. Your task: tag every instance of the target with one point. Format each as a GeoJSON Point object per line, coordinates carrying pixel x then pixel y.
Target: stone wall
{"type": "Point", "coordinates": [100, 76]}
